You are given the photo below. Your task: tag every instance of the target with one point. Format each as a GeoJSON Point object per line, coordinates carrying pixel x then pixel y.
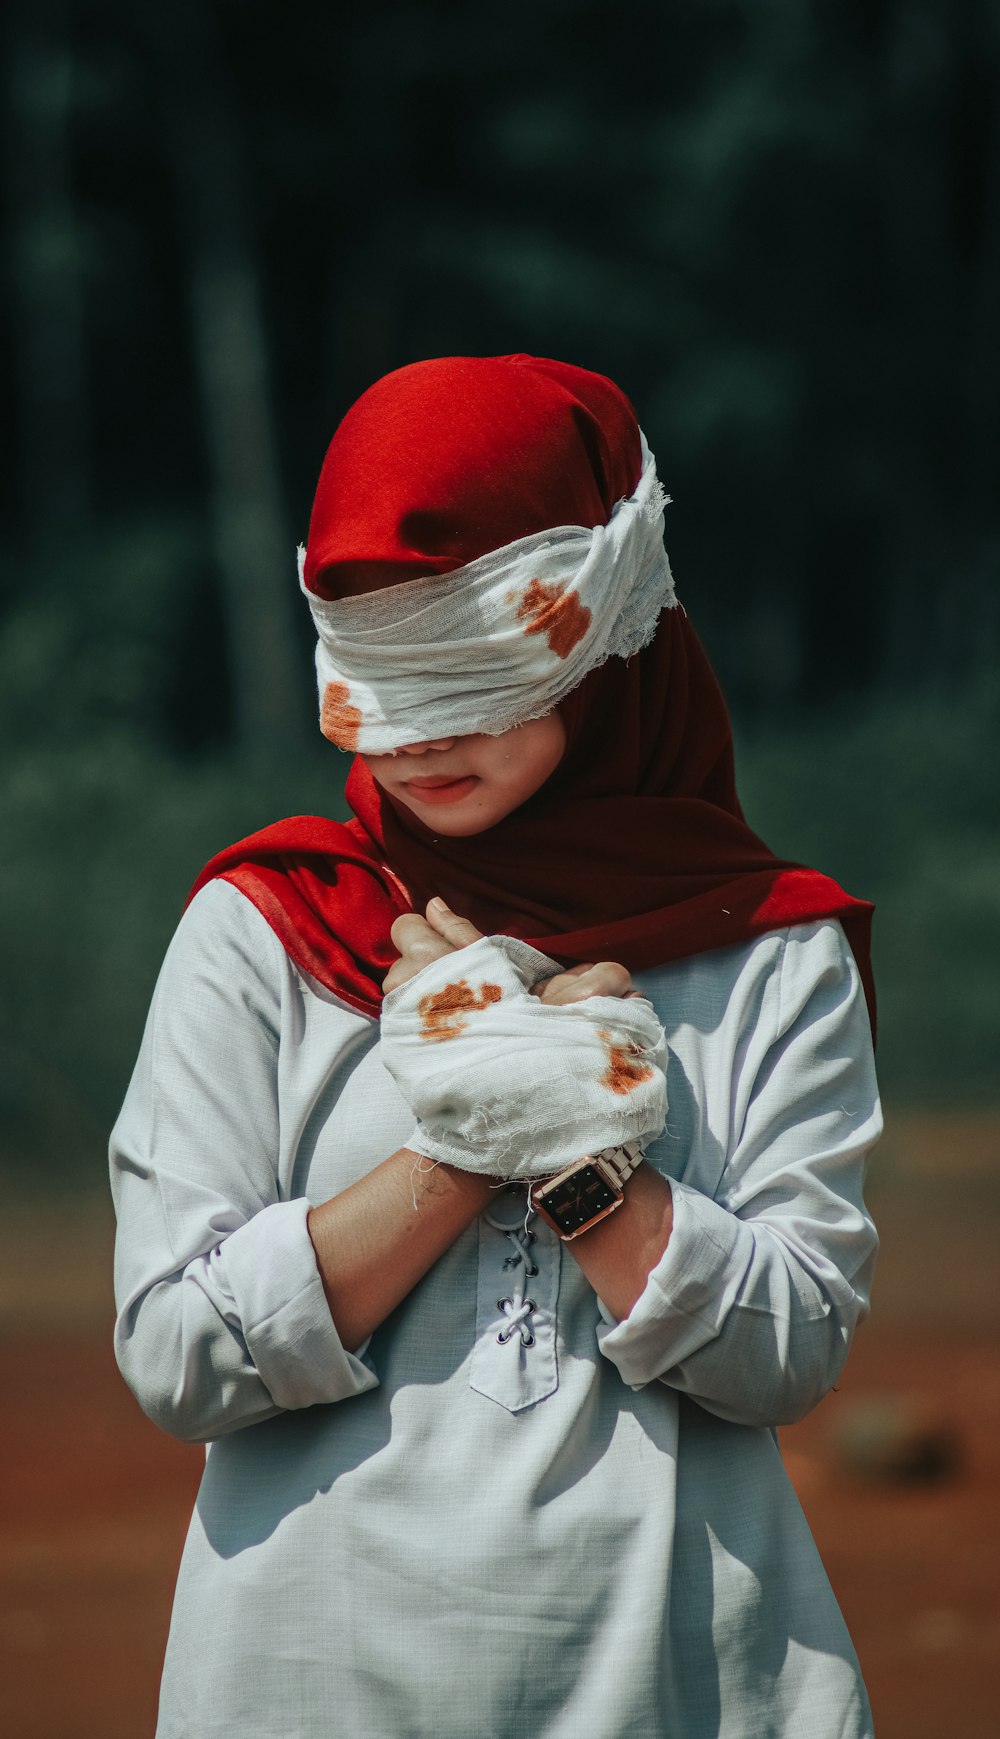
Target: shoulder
{"type": "Point", "coordinates": [765, 983]}
{"type": "Point", "coordinates": [816, 957]}
{"type": "Point", "coordinates": [224, 944]}
{"type": "Point", "coordinates": [221, 931]}
{"type": "Point", "coordinates": [221, 968]}
{"type": "Point", "coordinates": [763, 1037]}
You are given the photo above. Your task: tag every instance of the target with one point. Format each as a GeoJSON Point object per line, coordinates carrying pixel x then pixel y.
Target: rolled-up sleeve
{"type": "Point", "coordinates": [222, 1318]}
{"type": "Point", "coordinates": [751, 1309]}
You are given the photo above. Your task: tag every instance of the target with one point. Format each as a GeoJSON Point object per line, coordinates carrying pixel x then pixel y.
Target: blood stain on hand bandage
{"type": "Point", "coordinates": [441, 1015]}
{"type": "Point", "coordinates": [338, 720]}
{"type": "Point", "coordinates": [557, 614]}
{"type": "Point", "coordinates": [623, 1074]}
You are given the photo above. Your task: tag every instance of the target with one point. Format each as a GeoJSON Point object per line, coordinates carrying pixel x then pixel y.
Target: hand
{"type": "Point", "coordinates": [421, 940]}
{"type": "Point", "coordinates": [502, 1084]}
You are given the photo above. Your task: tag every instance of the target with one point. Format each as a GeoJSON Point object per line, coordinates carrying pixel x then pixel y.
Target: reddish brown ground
{"type": "Point", "coordinates": [95, 1500]}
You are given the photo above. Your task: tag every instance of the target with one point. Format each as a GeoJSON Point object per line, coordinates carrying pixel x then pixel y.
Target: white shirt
{"type": "Point", "coordinates": [588, 1537]}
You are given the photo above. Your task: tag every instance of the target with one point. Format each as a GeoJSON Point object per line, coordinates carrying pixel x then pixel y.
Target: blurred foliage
{"type": "Point", "coordinates": [900, 801]}
{"type": "Point", "coordinates": [102, 841]}
{"type": "Point", "coordinates": [776, 222]}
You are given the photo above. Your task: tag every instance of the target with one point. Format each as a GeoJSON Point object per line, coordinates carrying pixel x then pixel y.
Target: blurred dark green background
{"type": "Point", "coordinates": [776, 223]}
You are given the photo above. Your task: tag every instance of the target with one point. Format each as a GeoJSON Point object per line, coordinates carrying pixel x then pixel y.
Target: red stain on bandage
{"type": "Point", "coordinates": [441, 1015]}
{"type": "Point", "coordinates": [338, 720]}
{"type": "Point", "coordinates": [623, 1074]}
{"type": "Point", "coordinates": [558, 615]}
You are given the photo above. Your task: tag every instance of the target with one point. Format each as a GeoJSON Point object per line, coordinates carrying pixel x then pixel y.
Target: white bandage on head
{"type": "Point", "coordinates": [507, 1086]}
{"type": "Point", "coordinates": [497, 642]}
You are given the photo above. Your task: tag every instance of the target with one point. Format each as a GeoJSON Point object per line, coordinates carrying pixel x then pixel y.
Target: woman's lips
{"type": "Point", "coordinates": [441, 790]}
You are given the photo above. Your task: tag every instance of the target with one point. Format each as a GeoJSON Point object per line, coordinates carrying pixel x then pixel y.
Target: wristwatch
{"type": "Point", "coordinates": [586, 1191]}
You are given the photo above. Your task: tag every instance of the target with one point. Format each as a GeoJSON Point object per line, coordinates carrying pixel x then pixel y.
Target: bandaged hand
{"type": "Point", "coordinates": [507, 1084]}
{"type": "Point", "coordinates": [421, 940]}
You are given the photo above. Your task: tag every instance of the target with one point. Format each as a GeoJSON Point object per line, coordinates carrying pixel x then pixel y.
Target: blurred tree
{"type": "Point", "coordinates": [251, 538]}
{"type": "Point", "coordinates": [778, 224]}
{"type": "Point", "coordinates": [44, 248]}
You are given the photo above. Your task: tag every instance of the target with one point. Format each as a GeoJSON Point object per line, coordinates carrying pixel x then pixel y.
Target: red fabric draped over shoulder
{"type": "Point", "coordinates": [636, 848]}
{"type": "Point", "coordinates": [326, 896]}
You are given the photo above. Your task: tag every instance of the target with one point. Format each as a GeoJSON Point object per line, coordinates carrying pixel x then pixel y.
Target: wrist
{"type": "Point", "coordinates": [473, 1188]}
{"type": "Point", "coordinates": [473, 1185]}
{"type": "Point", "coordinates": [584, 1193]}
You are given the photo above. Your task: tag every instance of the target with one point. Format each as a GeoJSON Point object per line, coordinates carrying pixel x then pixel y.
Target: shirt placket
{"type": "Point", "coordinates": [514, 1360]}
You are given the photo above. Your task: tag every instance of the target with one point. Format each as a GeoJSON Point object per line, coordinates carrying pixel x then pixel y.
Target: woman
{"type": "Point", "coordinates": [492, 1448]}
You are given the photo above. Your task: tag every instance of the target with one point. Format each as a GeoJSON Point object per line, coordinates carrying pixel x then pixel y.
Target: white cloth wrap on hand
{"type": "Point", "coordinates": [498, 641]}
{"type": "Point", "coordinates": [504, 1085]}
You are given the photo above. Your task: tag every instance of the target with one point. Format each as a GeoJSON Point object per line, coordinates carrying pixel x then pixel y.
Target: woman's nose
{"type": "Point", "coordinates": [421, 748]}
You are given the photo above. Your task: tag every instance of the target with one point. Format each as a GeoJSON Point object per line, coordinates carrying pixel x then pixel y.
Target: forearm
{"type": "Point", "coordinates": [749, 1317]}
{"type": "Point", "coordinates": [382, 1234]}
{"type": "Point", "coordinates": [732, 1289]}
{"type": "Point", "coordinates": [618, 1254]}
{"type": "Point", "coordinates": [217, 1332]}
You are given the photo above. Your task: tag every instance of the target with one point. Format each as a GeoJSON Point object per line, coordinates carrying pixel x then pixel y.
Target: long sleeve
{"type": "Point", "coordinates": [752, 1307]}
{"type": "Point", "coordinates": [222, 1320]}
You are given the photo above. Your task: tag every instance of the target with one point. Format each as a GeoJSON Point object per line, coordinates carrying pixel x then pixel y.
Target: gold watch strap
{"type": "Point", "coordinates": [623, 1160]}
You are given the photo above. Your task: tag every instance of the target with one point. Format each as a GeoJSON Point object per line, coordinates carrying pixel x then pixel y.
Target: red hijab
{"type": "Point", "coordinates": [635, 849]}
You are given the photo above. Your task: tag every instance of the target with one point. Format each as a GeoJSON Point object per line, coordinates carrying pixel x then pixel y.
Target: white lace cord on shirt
{"type": "Point", "coordinates": [518, 1309]}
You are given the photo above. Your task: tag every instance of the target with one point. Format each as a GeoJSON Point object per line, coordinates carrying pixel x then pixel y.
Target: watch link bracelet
{"type": "Point", "coordinates": [586, 1191]}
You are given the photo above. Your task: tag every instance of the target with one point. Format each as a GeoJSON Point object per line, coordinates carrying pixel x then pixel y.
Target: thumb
{"type": "Point", "coordinates": [458, 931]}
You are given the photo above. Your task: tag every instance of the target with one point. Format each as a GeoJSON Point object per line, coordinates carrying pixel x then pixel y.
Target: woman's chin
{"type": "Point", "coordinates": [451, 826]}
{"type": "Point", "coordinates": [455, 820]}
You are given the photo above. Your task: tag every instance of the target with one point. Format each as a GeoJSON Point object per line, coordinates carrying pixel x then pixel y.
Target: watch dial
{"type": "Point", "coordinates": [576, 1201]}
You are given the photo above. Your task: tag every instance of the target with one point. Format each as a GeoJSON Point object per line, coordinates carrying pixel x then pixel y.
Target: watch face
{"type": "Point", "coordinates": [573, 1203]}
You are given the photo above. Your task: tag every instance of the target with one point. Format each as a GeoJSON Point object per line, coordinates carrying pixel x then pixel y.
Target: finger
{"type": "Point", "coordinates": [570, 972]}
{"type": "Point", "coordinates": [607, 978]}
{"type": "Point", "coordinates": [458, 931]}
{"type": "Point", "coordinates": [612, 978]}
{"type": "Point", "coordinates": [410, 931]}
{"type": "Point", "coordinates": [414, 961]}
{"type": "Point", "coordinates": [547, 989]}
